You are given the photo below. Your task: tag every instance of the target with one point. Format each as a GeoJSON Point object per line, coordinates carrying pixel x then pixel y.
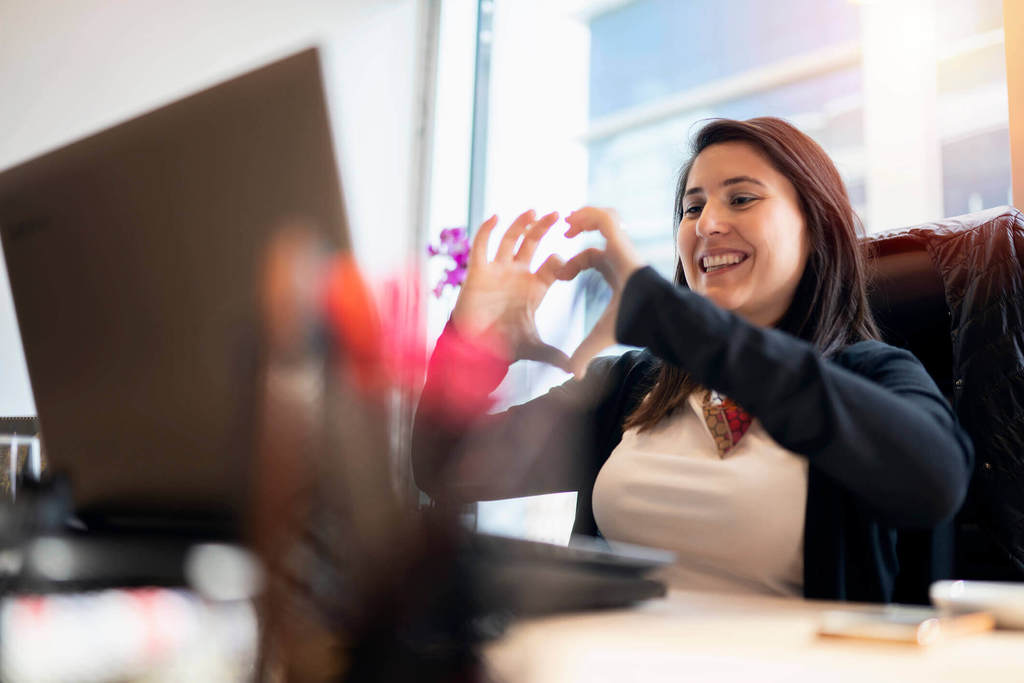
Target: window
{"type": "Point", "coordinates": [594, 102]}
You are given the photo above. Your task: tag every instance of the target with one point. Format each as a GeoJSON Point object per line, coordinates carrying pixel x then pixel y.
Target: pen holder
{"type": "Point", "coordinates": [20, 453]}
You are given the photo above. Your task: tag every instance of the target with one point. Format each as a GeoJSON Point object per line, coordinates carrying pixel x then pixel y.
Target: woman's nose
{"type": "Point", "coordinates": [711, 220]}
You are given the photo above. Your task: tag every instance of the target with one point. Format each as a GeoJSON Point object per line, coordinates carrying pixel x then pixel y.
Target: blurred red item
{"type": "Point", "coordinates": [402, 323]}
{"type": "Point", "coordinates": [387, 349]}
{"type": "Point", "coordinates": [353, 321]}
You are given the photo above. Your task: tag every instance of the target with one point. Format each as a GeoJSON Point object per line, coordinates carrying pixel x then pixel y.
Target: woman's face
{"type": "Point", "coordinates": [742, 240]}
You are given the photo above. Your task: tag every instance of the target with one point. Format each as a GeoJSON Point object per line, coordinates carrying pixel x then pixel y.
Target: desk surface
{"type": "Point", "coordinates": [700, 636]}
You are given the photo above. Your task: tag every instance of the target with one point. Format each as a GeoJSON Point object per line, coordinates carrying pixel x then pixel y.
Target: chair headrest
{"type": "Point", "coordinates": [906, 293]}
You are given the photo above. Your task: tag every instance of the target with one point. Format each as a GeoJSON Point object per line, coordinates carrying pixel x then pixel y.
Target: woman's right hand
{"type": "Point", "coordinates": [616, 262]}
{"type": "Point", "coordinates": [499, 298]}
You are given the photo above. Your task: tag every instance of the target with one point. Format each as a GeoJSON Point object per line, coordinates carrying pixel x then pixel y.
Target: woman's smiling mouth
{"type": "Point", "coordinates": [720, 262]}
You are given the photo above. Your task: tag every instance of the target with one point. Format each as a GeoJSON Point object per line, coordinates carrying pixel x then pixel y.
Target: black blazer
{"type": "Point", "coordinates": [885, 451]}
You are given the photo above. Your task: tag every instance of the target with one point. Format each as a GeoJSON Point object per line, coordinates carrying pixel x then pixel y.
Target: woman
{"type": "Point", "coordinates": [764, 433]}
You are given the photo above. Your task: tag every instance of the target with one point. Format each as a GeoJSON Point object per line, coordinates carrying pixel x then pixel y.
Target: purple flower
{"type": "Point", "coordinates": [454, 244]}
{"type": "Point", "coordinates": [455, 276]}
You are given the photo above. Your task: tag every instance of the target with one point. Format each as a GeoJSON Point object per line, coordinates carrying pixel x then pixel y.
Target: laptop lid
{"type": "Point", "coordinates": [134, 258]}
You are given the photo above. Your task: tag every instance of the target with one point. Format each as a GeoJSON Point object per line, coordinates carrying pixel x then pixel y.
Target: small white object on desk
{"type": "Point", "coordinates": [1004, 600]}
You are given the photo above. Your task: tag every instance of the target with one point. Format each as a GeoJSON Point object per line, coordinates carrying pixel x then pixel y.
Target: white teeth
{"type": "Point", "coordinates": [710, 262]}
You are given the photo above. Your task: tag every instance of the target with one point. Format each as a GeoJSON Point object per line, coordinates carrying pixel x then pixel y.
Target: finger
{"type": "Point", "coordinates": [512, 235]}
{"type": "Point", "coordinates": [534, 235]}
{"type": "Point", "coordinates": [478, 253]}
{"type": "Point", "coordinates": [591, 219]}
{"type": "Point", "coordinates": [588, 258]}
{"type": "Point", "coordinates": [549, 270]}
{"type": "Point", "coordinates": [593, 344]}
{"type": "Point", "coordinates": [578, 370]}
{"type": "Point", "coordinates": [545, 353]}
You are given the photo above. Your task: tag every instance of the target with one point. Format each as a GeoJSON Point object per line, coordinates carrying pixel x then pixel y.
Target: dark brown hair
{"type": "Point", "coordinates": [830, 305]}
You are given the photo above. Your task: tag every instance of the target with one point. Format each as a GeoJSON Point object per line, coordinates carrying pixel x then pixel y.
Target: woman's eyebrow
{"type": "Point", "coordinates": [725, 183]}
{"type": "Point", "coordinates": [742, 179]}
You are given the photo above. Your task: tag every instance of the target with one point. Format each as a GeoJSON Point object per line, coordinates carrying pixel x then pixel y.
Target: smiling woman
{"type": "Point", "coordinates": [781, 204]}
{"type": "Point", "coordinates": [763, 433]}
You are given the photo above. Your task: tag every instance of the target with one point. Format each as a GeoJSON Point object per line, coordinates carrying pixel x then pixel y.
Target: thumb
{"type": "Point", "coordinates": [545, 353]}
{"type": "Point", "coordinates": [598, 340]}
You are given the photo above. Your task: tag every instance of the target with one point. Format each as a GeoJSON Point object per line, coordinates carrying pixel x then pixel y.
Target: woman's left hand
{"type": "Point", "coordinates": [616, 262]}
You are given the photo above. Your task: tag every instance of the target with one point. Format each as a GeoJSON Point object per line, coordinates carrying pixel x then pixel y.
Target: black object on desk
{"type": "Point", "coordinates": [529, 578]}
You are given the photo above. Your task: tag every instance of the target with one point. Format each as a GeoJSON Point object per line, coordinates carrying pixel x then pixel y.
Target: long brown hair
{"type": "Point", "coordinates": [830, 304]}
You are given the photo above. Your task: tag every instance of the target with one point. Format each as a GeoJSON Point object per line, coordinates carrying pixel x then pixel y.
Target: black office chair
{"type": "Point", "coordinates": [920, 277]}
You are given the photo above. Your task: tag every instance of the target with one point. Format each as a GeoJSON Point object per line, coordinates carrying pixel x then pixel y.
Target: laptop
{"type": "Point", "coordinates": [135, 258]}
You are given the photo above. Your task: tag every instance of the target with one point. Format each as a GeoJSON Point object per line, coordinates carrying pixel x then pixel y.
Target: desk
{"type": "Point", "coordinates": [699, 636]}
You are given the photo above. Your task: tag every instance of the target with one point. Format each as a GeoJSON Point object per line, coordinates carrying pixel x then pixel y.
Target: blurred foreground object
{"type": "Point", "coordinates": [161, 634]}
{"type": "Point", "coordinates": [359, 587]}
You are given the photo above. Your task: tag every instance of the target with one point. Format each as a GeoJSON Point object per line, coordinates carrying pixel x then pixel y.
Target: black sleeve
{"type": "Point", "coordinates": [879, 426]}
{"type": "Point", "coordinates": [462, 454]}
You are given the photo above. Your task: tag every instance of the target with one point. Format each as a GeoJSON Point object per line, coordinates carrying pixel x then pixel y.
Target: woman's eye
{"type": "Point", "coordinates": [692, 210]}
{"type": "Point", "coordinates": [741, 200]}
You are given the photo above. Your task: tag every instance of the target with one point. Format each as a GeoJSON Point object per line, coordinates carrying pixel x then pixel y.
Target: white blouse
{"type": "Point", "coordinates": [736, 523]}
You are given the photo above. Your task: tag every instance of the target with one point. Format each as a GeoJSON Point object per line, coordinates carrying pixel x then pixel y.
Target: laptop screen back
{"type": "Point", "coordinates": [134, 259]}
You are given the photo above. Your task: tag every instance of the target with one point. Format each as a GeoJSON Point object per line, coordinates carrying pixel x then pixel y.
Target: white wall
{"type": "Point", "coordinates": [71, 67]}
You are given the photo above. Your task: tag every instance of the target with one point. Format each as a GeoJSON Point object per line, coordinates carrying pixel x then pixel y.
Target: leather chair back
{"type": "Point", "coordinates": [908, 299]}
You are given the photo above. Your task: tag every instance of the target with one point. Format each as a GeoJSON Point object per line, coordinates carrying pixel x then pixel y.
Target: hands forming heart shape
{"type": "Point", "coordinates": [500, 297]}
